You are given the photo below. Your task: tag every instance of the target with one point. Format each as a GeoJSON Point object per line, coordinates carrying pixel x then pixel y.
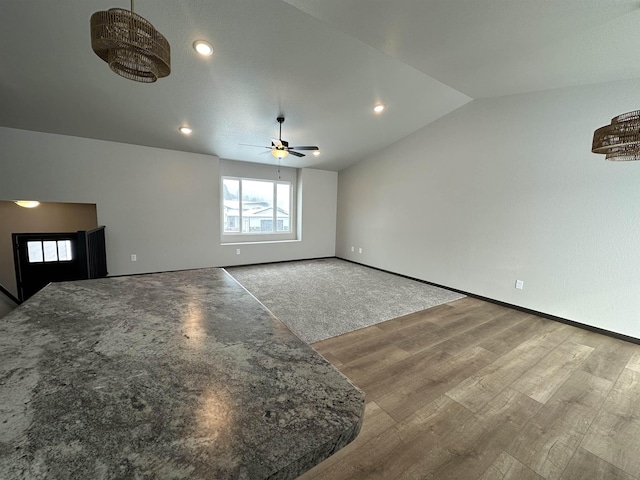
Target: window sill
{"type": "Point", "coordinates": [260, 242]}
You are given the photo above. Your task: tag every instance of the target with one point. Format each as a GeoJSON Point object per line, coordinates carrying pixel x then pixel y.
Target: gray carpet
{"type": "Point", "coordinates": [319, 299]}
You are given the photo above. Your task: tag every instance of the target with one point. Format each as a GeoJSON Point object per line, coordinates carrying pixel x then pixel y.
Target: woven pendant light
{"type": "Point", "coordinates": [619, 141]}
{"type": "Point", "coordinates": [131, 46]}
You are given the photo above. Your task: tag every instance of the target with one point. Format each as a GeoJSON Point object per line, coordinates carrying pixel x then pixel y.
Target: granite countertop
{"type": "Point", "coordinates": [170, 375]}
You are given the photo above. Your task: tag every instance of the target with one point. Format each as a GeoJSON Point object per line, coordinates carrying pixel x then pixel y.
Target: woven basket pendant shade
{"type": "Point", "coordinates": [131, 46]}
{"type": "Point", "coordinates": [619, 141]}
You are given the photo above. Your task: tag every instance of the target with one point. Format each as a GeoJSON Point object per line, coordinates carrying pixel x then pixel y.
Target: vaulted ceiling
{"type": "Point", "coordinates": [323, 64]}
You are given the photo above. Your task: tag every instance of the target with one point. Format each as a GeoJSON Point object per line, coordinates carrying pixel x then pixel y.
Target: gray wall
{"type": "Point", "coordinates": [505, 189]}
{"type": "Point", "coordinates": [159, 204]}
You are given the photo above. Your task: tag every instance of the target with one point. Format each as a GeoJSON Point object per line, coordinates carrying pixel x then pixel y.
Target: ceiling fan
{"type": "Point", "coordinates": [280, 148]}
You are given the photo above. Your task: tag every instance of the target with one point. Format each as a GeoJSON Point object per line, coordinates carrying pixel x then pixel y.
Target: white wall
{"type": "Point", "coordinates": [161, 205]}
{"type": "Point", "coordinates": [505, 189]}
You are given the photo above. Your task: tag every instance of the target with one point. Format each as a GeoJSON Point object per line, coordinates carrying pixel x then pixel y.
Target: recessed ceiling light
{"type": "Point", "coordinates": [185, 130]}
{"type": "Point", "coordinates": [316, 152]}
{"type": "Point", "coordinates": [203, 48]}
{"type": "Point", "coordinates": [378, 108]}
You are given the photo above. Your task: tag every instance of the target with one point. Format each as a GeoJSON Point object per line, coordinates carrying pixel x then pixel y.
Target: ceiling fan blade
{"type": "Point", "coordinates": [276, 143]}
{"type": "Point", "coordinates": [248, 145]}
{"type": "Point", "coordinates": [297, 154]}
{"type": "Point", "coordinates": [306, 147]}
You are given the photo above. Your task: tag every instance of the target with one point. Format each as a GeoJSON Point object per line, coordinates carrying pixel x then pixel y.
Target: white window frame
{"type": "Point", "coordinates": [265, 173]}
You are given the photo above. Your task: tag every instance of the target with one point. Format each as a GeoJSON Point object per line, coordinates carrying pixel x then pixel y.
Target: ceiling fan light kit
{"type": "Point", "coordinates": [131, 45]}
{"type": "Point", "coordinates": [619, 141]}
{"type": "Point", "coordinates": [279, 154]}
{"type": "Point", "coordinates": [280, 148]}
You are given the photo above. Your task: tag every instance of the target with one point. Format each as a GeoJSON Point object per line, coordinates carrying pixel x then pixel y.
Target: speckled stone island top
{"type": "Point", "coordinates": [172, 375]}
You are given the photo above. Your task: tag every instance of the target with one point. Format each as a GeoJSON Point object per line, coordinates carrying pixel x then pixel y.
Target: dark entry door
{"type": "Point", "coordinates": [42, 258]}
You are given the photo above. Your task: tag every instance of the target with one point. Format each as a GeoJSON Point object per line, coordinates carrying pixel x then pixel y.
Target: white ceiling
{"type": "Point", "coordinates": [323, 64]}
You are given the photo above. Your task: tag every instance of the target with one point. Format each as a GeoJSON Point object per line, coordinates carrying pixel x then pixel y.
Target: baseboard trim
{"type": "Point", "coordinates": [224, 267]}
{"type": "Point", "coordinates": [9, 295]}
{"type": "Point", "coordinates": [281, 261]}
{"type": "Point", "coordinates": [548, 316]}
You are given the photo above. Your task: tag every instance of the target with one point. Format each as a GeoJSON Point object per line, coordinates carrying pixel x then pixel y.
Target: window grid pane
{"type": "Point", "coordinates": [64, 250]}
{"type": "Point", "coordinates": [34, 251]}
{"type": "Point", "coordinates": [257, 206]}
{"type": "Point", "coordinates": [50, 251]}
{"type": "Point", "coordinates": [283, 195]}
{"type": "Point", "coordinates": [231, 204]}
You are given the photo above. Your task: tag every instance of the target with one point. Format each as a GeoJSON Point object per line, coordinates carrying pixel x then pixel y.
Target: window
{"type": "Point", "coordinates": [256, 207]}
{"type": "Point", "coordinates": [258, 202]}
{"type": "Point", "coordinates": [49, 251]}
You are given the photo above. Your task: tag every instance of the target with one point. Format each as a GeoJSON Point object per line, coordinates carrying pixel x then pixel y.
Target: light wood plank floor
{"type": "Point", "coordinates": [473, 390]}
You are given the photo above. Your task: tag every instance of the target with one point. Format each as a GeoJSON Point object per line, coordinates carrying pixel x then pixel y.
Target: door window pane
{"type": "Point", "coordinates": [34, 250]}
{"type": "Point", "coordinates": [50, 251]}
{"type": "Point", "coordinates": [64, 250]}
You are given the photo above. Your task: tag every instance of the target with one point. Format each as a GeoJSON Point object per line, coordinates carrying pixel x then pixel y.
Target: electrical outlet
{"type": "Point", "coordinates": [352, 248]}
{"type": "Point", "coordinates": [360, 250]}
{"type": "Point", "coordinates": [134, 257]}
{"type": "Point", "coordinates": [237, 251]}
{"type": "Point", "coordinates": [519, 284]}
